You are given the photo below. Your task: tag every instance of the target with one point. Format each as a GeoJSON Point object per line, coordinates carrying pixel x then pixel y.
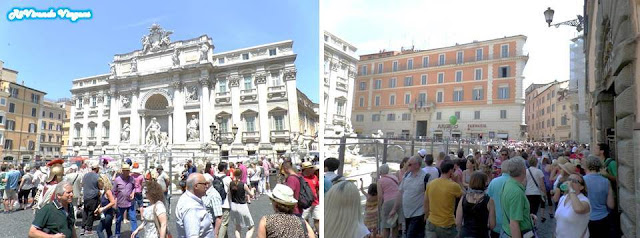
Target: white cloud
{"type": "Point", "coordinates": [378, 24]}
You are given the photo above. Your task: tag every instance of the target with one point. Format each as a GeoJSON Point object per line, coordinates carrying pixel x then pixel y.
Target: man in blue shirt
{"type": "Point", "coordinates": [10, 192]}
{"type": "Point", "coordinates": [495, 191]}
{"type": "Point", "coordinates": [600, 198]}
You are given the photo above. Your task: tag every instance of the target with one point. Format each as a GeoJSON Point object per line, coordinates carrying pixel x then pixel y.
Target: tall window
{"type": "Point", "coordinates": [359, 117]}
{"type": "Point", "coordinates": [392, 82]}
{"type": "Point", "coordinates": [8, 144]}
{"type": "Point", "coordinates": [504, 51]}
{"type": "Point", "coordinates": [395, 66]}
{"type": "Point", "coordinates": [503, 114]}
{"type": "Point", "coordinates": [458, 95]}
{"type": "Point", "coordinates": [377, 101]}
{"type": "Point", "coordinates": [478, 94]}
{"type": "Point", "coordinates": [459, 76]}
{"type": "Point", "coordinates": [441, 77]}
{"type": "Point", "coordinates": [410, 64]}
{"type": "Point", "coordinates": [391, 117]}
{"type": "Point", "coordinates": [476, 115]}
{"type": "Point", "coordinates": [363, 70]}
{"type": "Point", "coordinates": [279, 122]}
{"type": "Point", "coordinates": [503, 72]}
{"type": "Point", "coordinates": [12, 107]}
{"type": "Point", "coordinates": [340, 108]}
{"type": "Point", "coordinates": [43, 125]}
{"type": "Point", "coordinates": [438, 115]}
{"type": "Point", "coordinates": [247, 82]}
{"type": "Point", "coordinates": [375, 117]}
{"type": "Point", "coordinates": [251, 123]}
{"type": "Point", "coordinates": [407, 98]}
{"type": "Point", "coordinates": [79, 104]}
{"type": "Point", "coordinates": [275, 79]}
{"type": "Point", "coordinates": [92, 131]}
{"type": "Point", "coordinates": [34, 112]}
{"type": "Point", "coordinates": [107, 101]}
{"type": "Point", "coordinates": [94, 101]}
{"type": "Point", "coordinates": [457, 115]}
{"type": "Point", "coordinates": [77, 130]}
{"type": "Point", "coordinates": [425, 61]}
{"type": "Point", "coordinates": [392, 100]}
{"type": "Point", "coordinates": [51, 115]}
{"type": "Point", "coordinates": [35, 98]}
{"type": "Point", "coordinates": [222, 86]}
{"type": "Point", "coordinates": [105, 130]}
{"type": "Point", "coordinates": [378, 84]}
{"type": "Point", "coordinates": [460, 57]}
{"type": "Point", "coordinates": [245, 56]}
{"type": "Point", "coordinates": [13, 92]}
{"type": "Point", "coordinates": [441, 59]}
{"type": "Point", "coordinates": [503, 92]}
{"type": "Point", "coordinates": [408, 81]}
{"type": "Point", "coordinates": [361, 102]}
{"type": "Point", "coordinates": [32, 128]}
{"type": "Point", "coordinates": [422, 98]}
{"type": "Point", "coordinates": [363, 86]}
{"type": "Point", "coordinates": [423, 79]}
{"type": "Point", "coordinates": [379, 68]}
{"type": "Point", "coordinates": [478, 74]}
{"type": "Point", "coordinates": [439, 97]}
{"type": "Point", "coordinates": [32, 145]}
{"type": "Point", "coordinates": [11, 125]}
{"type": "Point", "coordinates": [478, 54]}
{"type": "Point", "coordinates": [272, 52]}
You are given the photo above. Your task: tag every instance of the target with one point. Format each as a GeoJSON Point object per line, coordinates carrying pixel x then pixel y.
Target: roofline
{"type": "Point", "coordinates": [448, 47]}
{"type": "Point", "coordinates": [33, 89]}
{"type": "Point", "coordinates": [11, 70]}
{"type": "Point", "coordinates": [305, 95]}
{"type": "Point", "coordinates": [343, 41]}
{"type": "Point", "coordinates": [94, 76]}
{"type": "Point", "coordinates": [255, 47]}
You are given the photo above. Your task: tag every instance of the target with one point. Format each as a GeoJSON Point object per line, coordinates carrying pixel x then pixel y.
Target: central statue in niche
{"type": "Point", "coordinates": [193, 134]}
{"type": "Point", "coordinates": [153, 132]}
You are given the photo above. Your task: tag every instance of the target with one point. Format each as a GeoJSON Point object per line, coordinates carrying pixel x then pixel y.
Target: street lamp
{"type": "Point", "coordinates": [216, 134]}
{"type": "Point", "coordinates": [578, 23]}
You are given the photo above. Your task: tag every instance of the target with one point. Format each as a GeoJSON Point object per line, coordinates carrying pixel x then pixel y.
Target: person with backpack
{"type": "Point", "coordinates": [313, 212]}
{"type": "Point", "coordinates": [213, 202]}
{"type": "Point", "coordinates": [411, 198]}
{"type": "Point", "coordinates": [301, 190]}
{"type": "Point", "coordinates": [221, 178]}
{"type": "Point", "coordinates": [240, 213]}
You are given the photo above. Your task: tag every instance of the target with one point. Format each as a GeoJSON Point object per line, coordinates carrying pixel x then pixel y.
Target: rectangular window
{"type": "Point", "coordinates": [247, 82]}
{"type": "Point", "coordinates": [222, 86]}
{"type": "Point", "coordinates": [363, 70]}
{"type": "Point", "coordinates": [439, 97]}
{"type": "Point", "coordinates": [425, 61]}
{"type": "Point", "coordinates": [279, 122]}
{"type": "Point", "coordinates": [392, 100]}
{"type": "Point", "coordinates": [77, 129]}
{"type": "Point", "coordinates": [12, 107]}
{"type": "Point", "coordinates": [460, 57]}
{"type": "Point", "coordinates": [251, 120]}
{"type": "Point", "coordinates": [422, 98]}
{"type": "Point", "coordinates": [553, 93]}
{"type": "Point", "coordinates": [503, 92]}
{"type": "Point", "coordinates": [272, 52]}
{"type": "Point", "coordinates": [553, 122]}
{"type": "Point", "coordinates": [32, 128]}
{"type": "Point", "coordinates": [14, 92]}
{"type": "Point", "coordinates": [32, 145]}
{"type": "Point", "coordinates": [377, 101]}
{"type": "Point", "coordinates": [359, 117]}
{"type": "Point", "coordinates": [395, 66]}
{"type": "Point", "coordinates": [363, 86]}
{"type": "Point", "coordinates": [43, 125]}
{"type": "Point", "coordinates": [504, 51]}
{"type": "Point", "coordinates": [406, 116]}
{"type": "Point", "coordinates": [441, 59]}
{"type": "Point", "coordinates": [478, 75]}
{"type": "Point", "coordinates": [408, 81]}
{"type": "Point", "coordinates": [441, 77]}
{"type": "Point", "coordinates": [563, 120]}
{"type": "Point", "coordinates": [361, 102]}
{"type": "Point", "coordinates": [459, 76]}
{"type": "Point", "coordinates": [503, 114]}
{"type": "Point", "coordinates": [340, 108]}
{"type": "Point", "coordinates": [3, 101]}
{"type": "Point", "coordinates": [8, 144]}
{"type": "Point", "coordinates": [1, 121]}
{"type": "Point", "coordinates": [391, 117]}
{"type": "Point", "coordinates": [94, 101]}
{"type": "Point", "coordinates": [220, 60]}
{"type": "Point", "coordinates": [553, 107]}
{"type": "Point", "coordinates": [423, 79]}
{"type": "Point", "coordinates": [476, 115]}
{"type": "Point", "coordinates": [43, 113]}
{"type": "Point", "coordinates": [392, 82]}
{"type": "Point", "coordinates": [564, 107]}
{"type": "Point", "coordinates": [50, 126]}
{"type": "Point", "coordinates": [457, 115]}
{"type": "Point", "coordinates": [92, 131]}
{"type": "Point", "coordinates": [35, 98]}
{"type": "Point", "coordinates": [379, 68]}
{"type": "Point", "coordinates": [410, 64]}
{"type": "Point", "coordinates": [245, 56]}
{"type": "Point", "coordinates": [458, 95]}
{"type": "Point", "coordinates": [407, 98]}
{"type": "Point", "coordinates": [479, 54]}
{"type": "Point", "coordinates": [11, 125]}
{"type": "Point", "coordinates": [375, 117]}
{"type": "Point", "coordinates": [378, 84]}
{"type": "Point", "coordinates": [79, 105]}
{"type": "Point", "coordinates": [34, 112]}
{"type": "Point", "coordinates": [438, 115]}
{"type": "Point", "coordinates": [478, 94]}
{"type": "Point", "coordinates": [503, 72]}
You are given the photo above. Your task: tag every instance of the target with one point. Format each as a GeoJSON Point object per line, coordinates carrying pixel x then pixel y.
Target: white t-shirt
{"type": "Point", "coordinates": [432, 171]}
{"type": "Point", "coordinates": [161, 180]}
{"type": "Point", "coordinates": [362, 231]}
{"type": "Point", "coordinates": [226, 181]}
{"type": "Point", "coordinates": [570, 224]}
{"type": "Point", "coordinates": [150, 229]}
{"type": "Point", "coordinates": [532, 189]}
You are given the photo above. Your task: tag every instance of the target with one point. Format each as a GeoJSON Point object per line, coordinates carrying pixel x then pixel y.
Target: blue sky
{"type": "Point", "coordinates": [50, 53]}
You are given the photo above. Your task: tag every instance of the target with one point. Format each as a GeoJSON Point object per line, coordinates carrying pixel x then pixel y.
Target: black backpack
{"type": "Point", "coordinates": [219, 186]}
{"type": "Point", "coordinates": [306, 197]}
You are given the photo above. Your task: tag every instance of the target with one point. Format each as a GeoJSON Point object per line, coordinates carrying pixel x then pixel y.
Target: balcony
{"type": "Point", "coordinates": [223, 98]}
{"type": "Point", "coordinates": [339, 119]}
{"type": "Point", "coordinates": [79, 114]}
{"type": "Point", "coordinates": [249, 95]}
{"type": "Point", "coordinates": [418, 105]}
{"type": "Point", "coordinates": [277, 92]}
{"type": "Point", "coordinates": [106, 112]}
{"type": "Point", "coordinates": [93, 113]}
{"type": "Point", "coordinates": [251, 137]}
{"type": "Point", "coordinates": [342, 86]}
{"type": "Point", "coordinates": [280, 136]}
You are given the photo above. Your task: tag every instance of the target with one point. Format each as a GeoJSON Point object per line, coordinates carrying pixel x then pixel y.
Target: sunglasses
{"type": "Point", "coordinates": [205, 184]}
{"type": "Point", "coordinates": [505, 154]}
{"type": "Point", "coordinates": [576, 181]}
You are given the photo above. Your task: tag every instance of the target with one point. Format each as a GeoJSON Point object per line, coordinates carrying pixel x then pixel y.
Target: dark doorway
{"type": "Point", "coordinates": [421, 129]}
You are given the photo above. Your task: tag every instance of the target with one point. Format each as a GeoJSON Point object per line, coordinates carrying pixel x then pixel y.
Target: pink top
{"type": "Point", "coordinates": [390, 187]}
{"type": "Point", "coordinates": [138, 179]}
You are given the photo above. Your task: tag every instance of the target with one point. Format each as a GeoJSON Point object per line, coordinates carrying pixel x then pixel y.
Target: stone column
{"type": "Point", "coordinates": [205, 116]}
{"type": "Point", "coordinates": [179, 121]}
{"type": "Point", "coordinates": [142, 131]}
{"type": "Point", "coordinates": [263, 110]}
{"type": "Point", "coordinates": [234, 84]}
{"type": "Point", "coordinates": [292, 100]}
{"type": "Point", "coordinates": [331, 102]}
{"type": "Point", "coordinates": [135, 117]}
{"type": "Point", "coordinates": [114, 119]}
{"type": "Point", "coordinates": [170, 130]}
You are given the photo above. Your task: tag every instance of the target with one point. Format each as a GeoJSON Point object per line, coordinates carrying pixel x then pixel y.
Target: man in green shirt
{"type": "Point", "coordinates": [56, 218]}
{"type": "Point", "coordinates": [516, 220]}
{"type": "Point", "coordinates": [610, 165]}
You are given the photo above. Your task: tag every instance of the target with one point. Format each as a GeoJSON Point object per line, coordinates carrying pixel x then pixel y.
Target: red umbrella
{"type": "Point", "coordinates": [78, 158]}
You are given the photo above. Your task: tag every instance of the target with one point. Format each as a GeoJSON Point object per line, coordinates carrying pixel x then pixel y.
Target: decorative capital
{"type": "Point", "coordinates": [234, 81]}
{"type": "Point", "coordinates": [290, 74]}
{"type": "Point", "coordinates": [176, 85]}
{"type": "Point", "coordinates": [204, 80]}
{"type": "Point", "coordinates": [334, 66]}
{"type": "Point", "coordinates": [261, 78]}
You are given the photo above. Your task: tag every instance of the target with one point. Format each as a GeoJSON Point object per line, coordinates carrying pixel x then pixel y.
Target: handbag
{"type": "Point", "coordinates": [157, 223]}
{"type": "Point", "coordinates": [529, 233]}
{"type": "Point", "coordinates": [544, 198]}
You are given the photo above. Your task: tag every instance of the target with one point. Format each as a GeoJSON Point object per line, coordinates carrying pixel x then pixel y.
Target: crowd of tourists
{"type": "Point", "coordinates": [502, 191]}
{"type": "Point", "coordinates": [70, 200]}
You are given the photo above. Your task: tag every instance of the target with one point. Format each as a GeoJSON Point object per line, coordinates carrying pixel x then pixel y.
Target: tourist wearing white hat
{"type": "Point", "coordinates": [283, 224]}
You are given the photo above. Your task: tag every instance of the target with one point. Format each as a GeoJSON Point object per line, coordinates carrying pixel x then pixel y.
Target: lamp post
{"type": "Point", "coordinates": [578, 23]}
{"type": "Point", "coordinates": [217, 133]}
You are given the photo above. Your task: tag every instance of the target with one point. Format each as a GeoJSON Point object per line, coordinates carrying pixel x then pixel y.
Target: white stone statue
{"type": "Point", "coordinates": [192, 94]}
{"type": "Point", "coordinates": [146, 44]}
{"type": "Point", "coordinates": [204, 52]}
{"type": "Point", "coordinates": [175, 57]}
{"type": "Point", "coordinates": [112, 69]}
{"type": "Point", "coordinates": [125, 132]}
{"type": "Point", "coordinates": [134, 65]}
{"type": "Point", "coordinates": [164, 139]}
{"type": "Point", "coordinates": [153, 132]}
{"type": "Point", "coordinates": [193, 134]}
{"type": "Point", "coordinates": [124, 100]}
{"type": "Point", "coordinates": [379, 134]}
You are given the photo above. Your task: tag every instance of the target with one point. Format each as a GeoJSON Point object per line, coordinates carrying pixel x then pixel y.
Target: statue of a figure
{"type": "Point", "coordinates": [112, 69]}
{"type": "Point", "coordinates": [192, 94]}
{"type": "Point", "coordinates": [193, 133]}
{"type": "Point", "coordinates": [165, 39]}
{"type": "Point", "coordinates": [125, 132]}
{"type": "Point", "coordinates": [125, 101]}
{"type": "Point", "coordinates": [134, 65]}
{"type": "Point", "coordinates": [379, 134]}
{"type": "Point", "coordinates": [153, 132]}
{"type": "Point", "coordinates": [175, 57]}
{"type": "Point", "coordinates": [204, 51]}
{"type": "Point", "coordinates": [146, 44]}
{"type": "Point", "coordinates": [164, 139]}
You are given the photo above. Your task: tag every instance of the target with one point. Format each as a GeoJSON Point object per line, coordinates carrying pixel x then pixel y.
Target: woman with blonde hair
{"type": "Point", "coordinates": [154, 217]}
{"type": "Point", "coordinates": [106, 209]}
{"type": "Point", "coordinates": [343, 212]}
